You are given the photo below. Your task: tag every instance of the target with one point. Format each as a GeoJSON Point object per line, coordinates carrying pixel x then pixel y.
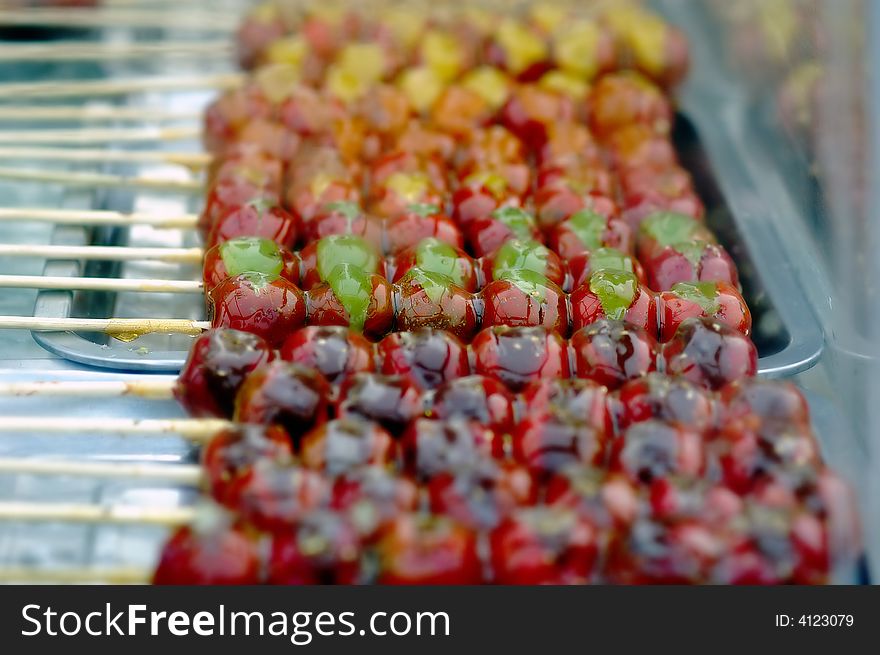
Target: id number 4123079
{"type": "Point", "coordinates": [815, 621]}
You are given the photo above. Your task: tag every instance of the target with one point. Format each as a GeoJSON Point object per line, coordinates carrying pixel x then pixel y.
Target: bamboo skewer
{"type": "Point", "coordinates": [92, 136]}
{"type": "Point", "coordinates": [116, 575]}
{"type": "Point", "coordinates": [64, 283]}
{"type": "Point", "coordinates": [149, 389]}
{"type": "Point", "coordinates": [191, 160]}
{"type": "Point", "coordinates": [95, 217]}
{"type": "Point", "coordinates": [120, 17]}
{"type": "Point", "coordinates": [185, 474]}
{"type": "Point", "coordinates": [92, 180]}
{"type": "Point", "coordinates": [103, 50]}
{"type": "Point", "coordinates": [112, 87]}
{"type": "Point", "coordinates": [125, 329]}
{"type": "Point", "coordinates": [198, 430]}
{"type": "Point", "coordinates": [60, 113]}
{"type": "Point", "coordinates": [107, 514]}
{"type": "Point", "coordinates": [104, 253]}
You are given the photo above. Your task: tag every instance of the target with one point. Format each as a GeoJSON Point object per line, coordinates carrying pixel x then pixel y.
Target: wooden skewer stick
{"type": "Point", "coordinates": [185, 474]}
{"type": "Point", "coordinates": [149, 389]}
{"type": "Point", "coordinates": [191, 160]}
{"type": "Point", "coordinates": [130, 18]}
{"type": "Point", "coordinates": [107, 514]}
{"type": "Point", "coordinates": [92, 180]}
{"type": "Point", "coordinates": [107, 50]}
{"type": "Point", "coordinates": [118, 575]}
{"type": "Point", "coordinates": [198, 430]}
{"type": "Point", "coordinates": [125, 329]}
{"type": "Point", "coordinates": [92, 136]}
{"type": "Point", "coordinates": [61, 113]}
{"type": "Point", "coordinates": [103, 253]}
{"type": "Point", "coordinates": [95, 217]}
{"type": "Point", "coordinates": [61, 282]}
{"type": "Point", "coordinates": [115, 87]}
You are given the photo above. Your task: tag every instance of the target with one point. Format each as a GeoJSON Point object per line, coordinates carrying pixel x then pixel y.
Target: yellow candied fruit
{"type": "Point", "coordinates": [406, 25]}
{"type": "Point", "coordinates": [495, 183]}
{"type": "Point", "coordinates": [345, 84]}
{"type": "Point", "coordinates": [620, 16]}
{"type": "Point", "coordinates": [277, 81]}
{"type": "Point", "coordinates": [411, 187]}
{"type": "Point", "coordinates": [646, 39]}
{"type": "Point", "coordinates": [422, 87]}
{"type": "Point", "coordinates": [522, 47]}
{"type": "Point", "coordinates": [576, 49]}
{"type": "Point", "coordinates": [548, 15]}
{"type": "Point", "coordinates": [365, 60]}
{"type": "Point", "coordinates": [565, 83]}
{"type": "Point", "coordinates": [290, 50]}
{"type": "Point", "coordinates": [440, 53]}
{"type": "Point", "coordinates": [491, 84]}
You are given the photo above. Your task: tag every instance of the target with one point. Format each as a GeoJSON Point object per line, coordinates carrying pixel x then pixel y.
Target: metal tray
{"type": "Point", "coordinates": [786, 332]}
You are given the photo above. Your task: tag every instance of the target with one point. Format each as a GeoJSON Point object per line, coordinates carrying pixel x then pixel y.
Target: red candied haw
{"type": "Point", "coordinates": [226, 116]}
{"type": "Point", "coordinates": [334, 351]}
{"type": "Point", "coordinates": [429, 357]}
{"type": "Point", "coordinates": [385, 108]}
{"type": "Point", "coordinates": [481, 497]}
{"type": "Point", "coordinates": [580, 401]}
{"type": "Point", "coordinates": [647, 191]}
{"type": "Point", "coordinates": [266, 136]}
{"type": "Point", "coordinates": [320, 258]}
{"type": "Point", "coordinates": [402, 190]}
{"type": "Point", "coordinates": [547, 444]}
{"type": "Point", "coordinates": [484, 187]}
{"type": "Point", "coordinates": [525, 299]}
{"type": "Point", "coordinates": [435, 256]}
{"type": "Point", "coordinates": [662, 230]}
{"type": "Point", "coordinates": [417, 549]}
{"type": "Point", "coordinates": [622, 99]}
{"type": "Point", "coordinates": [771, 403]}
{"type": "Point", "coordinates": [657, 396]}
{"type": "Point", "coordinates": [248, 255]}
{"type": "Point", "coordinates": [417, 223]}
{"type": "Point", "coordinates": [373, 496]}
{"type": "Point", "coordinates": [354, 299]}
{"type": "Point", "coordinates": [579, 179]}
{"type": "Point", "coordinates": [676, 498]}
{"type": "Point", "coordinates": [345, 217]}
{"type": "Point", "coordinates": [613, 352]}
{"type": "Point", "coordinates": [392, 401]}
{"type": "Point", "coordinates": [275, 496]}
{"type": "Point", "coordinates": [638, 146]}
{"type": "Point", "coordinates": [323, 548]}
{"type": "Point", "coordinates": [220, 555]}
{"type": "Point", "coordinates": [343, 444]}
{"type": "Point", "coordinates": [401, 162]}
{"type": "Point", "coordinates": [652, 450]}
{"type": "Point", "coordinates": [314, 190]}
{"type": "Point", "coordinates": [716, 300]}
{"type": "Point", "coordinates": [420, 139]}
{"type": "Point", "coordinates": [255, 218]}
{"type": "Point", "coordinates": [309, 113]}
{"type": "Point", "coordinates": [218, 363]}
{"type": "Point", "coordinates": [232, 453]}
{"type": "Point", "coordinates": [285, 394]}
{"type": "Point", "coordinates": [691, 261]}
{"type": "Point", "coordinates": [607, 501]}
{"type": "Point", "coordinates": [568, 143]}
{"type": "Point", "coordinates": [490, 148]}
{"type": "Point", "coordinates": [588, 230]}
{"type": "Point", "coordinates": [615, 295]}
{"type": "Point", "coordinates": [433, 300]}
{"type": "Point", "coordinates": [460, 110]}
{"type": "Point", "coordinates": [581, 267]}
{"type": "Point", "coordinates": [709, 354]}
{"type": "Point", "coordinates": [481, 399]}
{"type": "Point", "coordinates": [253, 302]}
{"type": "Point", "coordinates": [432, 447]}
{"type": "Point", "coordinates": [486, 235]}
{"type": "Point", "coordinates": [517, 356]}
{"type": "Point", "coordinates": [544, 545]}
{"type": "Point", "coordinates": [531, 111]}
{"type": "Point", "coordinates": [517, 255]}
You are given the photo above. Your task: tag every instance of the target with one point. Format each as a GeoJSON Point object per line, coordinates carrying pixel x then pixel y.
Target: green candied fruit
{"type": "Point", "coordinates": [616, 291]}
{"type": "Point", "coordinates": [435, 256]}
{"type": "Point", "coordinates": [434, 284]}
{"type": "Point", "coordinates": [610, 259]}
{"type": "Point", "coordinates": [345, 249]}
{"type": "Point", "coordinates": [251, 254]}
{"type": "Point", "coordinates": [520, 222]}
{"type": "Point", "coordinates": [259, 281]}
{"type": "Point", "coordinates": [669, 228]}
{"type": "Point", "coordinates": [705, 294]}
{"type": "Point", "coordinates": [692, 250]}
{"type": "Point", "coordinates": [529, 282]}
{"type": "Point", "coordinates": [588, 226]}
{"type": "Point", "coordinates": [354, 290]}
{"type": "Point", "coordinates": [521, 255]}
{"type": "Point", "coordinates": [351, 210]}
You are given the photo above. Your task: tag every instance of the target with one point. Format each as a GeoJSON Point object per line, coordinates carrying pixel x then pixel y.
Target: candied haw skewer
{"type": "Point", "coordinates": [248, 255]}
{"type": "Point", "coordinates": [323, 548]}
{"type": "Point", "coordinates": [487, 234]}
{"type": "Point", "coordinates": [434, 256]}
{"type": "Point", "coordinates": [334, 351]}
{"type": "Point", "coordinates": [433, 300]}
{"type": "Point", "coordinates": [716, 300]}
{"type": "Point", "coordinates": [418, 222]}
{"type": "Point", "coordinates": [613, 352]}
{"type": "Point", "coordinates": [709, 354]}
{"type": "Point", "coordinates": [523, 298]}
{"type": "Point", "coordinates": [255, 217]}
{"type": "Point", "coordinates": [482, 399]}
{"type": "Point", "coordinates": [342, 445]}
{"type": "Point", "coordinates": [320, 258]}
{"type": "Point", "coordinates": [587, 230]}
{"type": "Point", "coordinates": [690, 261]}
{"type": "Point", "coordinates": [429, 357]}
{"type": "Point", "coordinates": [392, 401]}
{"type": "Point", "coordinates": [517, 356]}
{"type": "Point", "coordinates": [669, 399]}
{"type": "Point", "coordinates": [582, 266]}
{"type": "Point", "coordinates": [652, 450]}
{"type": "Point", "coordinates": [353, 298]}
{"type": "Point", "coordinates": [432, 447]}
{"type": "Point", "coordinates": [344, 217]}
{"type": "Point", "coordinates": [615, 295]}
{"type": "Point", "coordinates": [373, 496]}
{"type": "Point", "coordinates": [549, 443]}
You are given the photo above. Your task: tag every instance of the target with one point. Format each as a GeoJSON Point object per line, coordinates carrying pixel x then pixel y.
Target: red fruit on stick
{"type": "Point", "coordinates": [613, 352]}
{"type": "Point", "coordinates": [517, 356]}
